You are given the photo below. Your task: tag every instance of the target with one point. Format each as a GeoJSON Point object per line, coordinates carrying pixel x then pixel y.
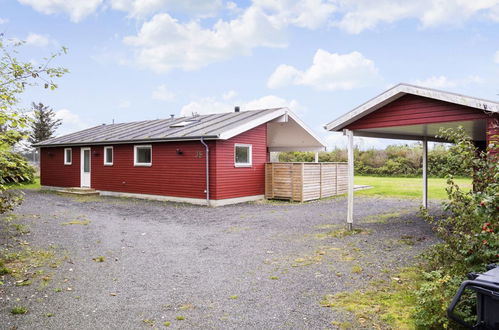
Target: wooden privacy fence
{"type": "Point", "coordinates": [305, 181]}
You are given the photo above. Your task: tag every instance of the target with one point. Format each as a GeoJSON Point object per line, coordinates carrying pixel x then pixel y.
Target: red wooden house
{"type": "Point", "coordinates": [212, 159]}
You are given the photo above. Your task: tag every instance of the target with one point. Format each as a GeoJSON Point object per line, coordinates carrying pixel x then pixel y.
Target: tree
{"type": "Point", "coordinates": [44, 123]}
{"type": "Point", "coordinates": [15, 77]}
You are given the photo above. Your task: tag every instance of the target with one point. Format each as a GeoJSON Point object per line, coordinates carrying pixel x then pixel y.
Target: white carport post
{"type": "Point", "coordinates": [316, 157]}
{"type": "Point", "coordinates": [425, 172]}
{"type": "Point", "coordinates": [349, 135]}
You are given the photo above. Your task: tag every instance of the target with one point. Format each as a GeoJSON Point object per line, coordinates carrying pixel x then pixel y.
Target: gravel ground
{"type": "Point", "coordinates": [255, 266]}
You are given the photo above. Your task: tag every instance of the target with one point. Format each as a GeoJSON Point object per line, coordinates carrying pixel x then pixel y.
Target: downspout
{"type": "Point", "coordinates": [207, 171]}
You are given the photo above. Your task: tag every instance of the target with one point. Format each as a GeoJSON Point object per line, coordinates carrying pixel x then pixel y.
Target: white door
{"type": "Point", "coordinates": [85, 167]}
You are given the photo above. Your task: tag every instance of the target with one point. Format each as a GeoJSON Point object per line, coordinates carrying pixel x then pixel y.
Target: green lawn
{"type": "Point", "coordinates": [406, 187]}
{"type": "Point", "coordinates": [383, 186]}
{"type": "Point", "coordinates": [34, 185]}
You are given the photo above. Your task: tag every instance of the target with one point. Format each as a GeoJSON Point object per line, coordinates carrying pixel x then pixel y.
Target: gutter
{"type": "Point", "coordinates": [207, 171]}
{"type": "Point", "coordinates": [103, 143]}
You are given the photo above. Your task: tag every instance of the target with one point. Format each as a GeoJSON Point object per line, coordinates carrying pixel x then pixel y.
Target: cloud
{"type": "Point", "coordinates": [34, 39]}
{"type": "Point", "coordinates": [215, 105]}
{"type": "Point", "coordinates": [496, 57]}
{"type": "Point", "coordinates": [309, 14]}
{"type": "Point", "coordinates": [329, 71]}
{"type": "Point", "coordinates": [359, 15]}
{"type": "Point", "coordinates": [124, 104]}
{"type": "Point", "coordinates": [162, 93]}
{"type": "Point", "coordinates": [445, 82]}
{"type": "Point", "coordinates": [76, 9]}
{"type": "Point", "coordinates": [163, 43]}
{"type": "Point", "coordinates": [3, 20]}
{"type": "Point", "coordinates": [141, 8]}
{"type": "Point", "coordinates": [71, 122]}
{"type": "Point", "coordinates": [229, 95]}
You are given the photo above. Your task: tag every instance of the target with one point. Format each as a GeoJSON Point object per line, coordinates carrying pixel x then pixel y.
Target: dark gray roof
{"type": "Point", "coordinates": [211, 126]}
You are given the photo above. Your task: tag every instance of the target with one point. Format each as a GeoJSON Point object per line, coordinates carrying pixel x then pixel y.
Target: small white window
{"type": "Point", "coordinates": [68, 156]}
{"type": "Point", "coordinates": [142, 155]}
{"type": "Point", "coordinates": [242, 155]}
{"type": "Point", "coordinates": [108, 156]}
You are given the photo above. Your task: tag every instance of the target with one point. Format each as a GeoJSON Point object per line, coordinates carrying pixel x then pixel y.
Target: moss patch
{"type": "Point", "coordinates": [342, 232]}
{"type": "Point", "coordinates": [383, 305]}
{"type": "Point", "coordinates": [76, 222]}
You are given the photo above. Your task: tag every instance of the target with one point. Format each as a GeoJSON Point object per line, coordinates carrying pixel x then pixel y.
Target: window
{"type": "Point", "coordinates": [142, 155]}
{"type": "Point", "coordinates": [108, 156]}
{"type": "Point", "coordinates": [242, 155]}
{"type": "Point", "coordinates": [68, 156]}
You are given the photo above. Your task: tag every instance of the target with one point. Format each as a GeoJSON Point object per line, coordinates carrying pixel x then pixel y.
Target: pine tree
{"type": "Point", "coordinates": [44, 123]}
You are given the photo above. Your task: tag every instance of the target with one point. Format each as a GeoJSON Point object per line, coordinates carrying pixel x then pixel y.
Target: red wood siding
{"type": "Point", "coordinates": [53, 172]}
{"type": "Point", "coordinates": [415, 110]}
{"type": "Point", "coordinates": [231, 181]}
{"type": "Point", "coordinates": [170, 174]}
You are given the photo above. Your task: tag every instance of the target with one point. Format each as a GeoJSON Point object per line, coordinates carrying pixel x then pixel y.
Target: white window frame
{"type": "Point", "coordinates": [112, 156]}
{"type": "Point", "coordinates": [135, 163]}
{"type": "Point", "coordinates": [66, 162]}
{"type": "Point", "coordinates": [250, 155]}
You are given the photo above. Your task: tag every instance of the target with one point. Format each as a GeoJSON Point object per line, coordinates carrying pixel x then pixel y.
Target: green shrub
{"type": "Point", "coordinates": [468, 230]}
{"type": "Point", "coordinates": [395, 160]}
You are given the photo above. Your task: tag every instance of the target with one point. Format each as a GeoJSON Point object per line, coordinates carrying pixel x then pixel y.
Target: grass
{"type": "Point", "coordinates": [382, 306]}
{"type": "Point", "coordinates": [19, 310]}
{"type": "Point", "coordinates": [406, 187]}
{"type": "Point", "coordinates": [33, 185]}
{"type": "Point", "coordinates": [76, 222]}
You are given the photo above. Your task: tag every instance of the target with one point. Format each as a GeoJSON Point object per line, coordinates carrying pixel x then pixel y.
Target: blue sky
{"type": "Point", "coordinates": [146, 59]}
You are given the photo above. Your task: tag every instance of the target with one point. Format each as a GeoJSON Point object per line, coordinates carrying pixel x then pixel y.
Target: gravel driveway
{"type": "Point", "coordinates": [255, 266]}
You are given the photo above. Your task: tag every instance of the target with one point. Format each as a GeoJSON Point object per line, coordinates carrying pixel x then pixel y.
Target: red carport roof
{"type": "Point", "coordinates": [475, 128]}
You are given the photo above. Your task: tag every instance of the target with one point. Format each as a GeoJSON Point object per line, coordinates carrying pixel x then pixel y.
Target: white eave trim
{"type": "Point", "coordinates": [401, 90]}
{"type": "Point", "coordinates": [267, 118]}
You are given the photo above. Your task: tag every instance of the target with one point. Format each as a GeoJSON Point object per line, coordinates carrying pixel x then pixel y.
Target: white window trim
{"type": "Point", "coordinates": [65, 158]}
{"type": "Point", "coordinates": [250, 155]}
{"type": "Point", "coordinates": [112, 156]}
{"type": "Point", "coordinates": [135, 163]}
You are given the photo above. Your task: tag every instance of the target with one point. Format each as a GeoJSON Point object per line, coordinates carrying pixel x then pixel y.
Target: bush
{"type": "Point", "coordinates": [468, 230]}
{"type": "Point", "coordinates": [405, 160]}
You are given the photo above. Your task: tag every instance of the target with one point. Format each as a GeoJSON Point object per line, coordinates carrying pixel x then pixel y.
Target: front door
{"type": "Point", "coordinates": [85, 167]}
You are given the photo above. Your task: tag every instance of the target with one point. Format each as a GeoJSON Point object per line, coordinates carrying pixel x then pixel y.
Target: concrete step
{"type": "Point", "coordinates": [79, 191]}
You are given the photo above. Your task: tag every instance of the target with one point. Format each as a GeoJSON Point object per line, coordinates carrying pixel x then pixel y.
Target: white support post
{"type": "Point", "coordinates": [349, 135]}
{"type": "Point", "coordinates": [425, 173]}
{"type": "Point", "coordinates": [316, 159]}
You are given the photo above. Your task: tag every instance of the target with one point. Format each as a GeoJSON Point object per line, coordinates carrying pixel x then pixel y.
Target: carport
{"type": "Point", "coordinates": [409, 112]}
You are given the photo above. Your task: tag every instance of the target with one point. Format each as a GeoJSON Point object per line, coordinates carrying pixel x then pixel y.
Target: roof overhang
{"type": "Point", "coordinates": [401, 90]}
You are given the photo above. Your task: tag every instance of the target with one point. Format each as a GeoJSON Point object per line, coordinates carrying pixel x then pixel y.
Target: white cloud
{"type": "Point", "coordinates": [34, 39]}
{"type": "Point", "coordinates": [162, 93]}
{"type": "Point", "coordinates": [359, 15]}
{"type": "Point", "coordinates": [445, 82]}
{"type": "Point", "coordinates": [141, 8]}
{"type": "Point", "coordinates": [71, 122]}
{"type": "Point", "coordinates": [163, 43]}
{"type": "Point", "coordinates": [76, 9]}
{"type": "Point", "coordinates": [124, 104]}
{"type": "Point", "coordinates": [229, 95]}
{"type": "Point", "coordinates": [3, 20]}
{"type": "Point", "coordinates": [329, 71]}
{"type": "Point", "coordinates": [309, 14]}
{"type": "Point", "coordinates": [215, 105]}
{"type": "Point", "coordinates": [496, 57]}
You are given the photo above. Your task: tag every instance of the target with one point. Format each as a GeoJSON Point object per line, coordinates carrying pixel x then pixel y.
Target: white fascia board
{"type": "Point", "coordinates": [306, 128]}
{"type": "Point", "coordinates": [402, 89]}
{"type": "Point", "coordinates": [304, 149]}
{"type": "Point", "coordinates": [252, 124]}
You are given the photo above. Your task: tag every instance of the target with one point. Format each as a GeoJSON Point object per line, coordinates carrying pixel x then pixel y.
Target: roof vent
{"type": "Point", "coordinates": [172, 116]}
{"type": "Point", "coordinates": [236, 108]}
{"type": "Point", "coordinates": [184, 123]}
